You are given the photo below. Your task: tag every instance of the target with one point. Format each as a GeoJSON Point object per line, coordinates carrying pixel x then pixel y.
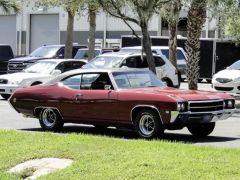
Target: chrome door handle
{"type": "Point", "coordinates": [78, 96]}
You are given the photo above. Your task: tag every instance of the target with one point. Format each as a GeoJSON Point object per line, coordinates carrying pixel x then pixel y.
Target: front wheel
{"type": "Point", "coordinates": [50, 120]}
{"type": "Point", "coordinates": [148, 125]}
{"type": "Point", "coordinates": [201, 130]}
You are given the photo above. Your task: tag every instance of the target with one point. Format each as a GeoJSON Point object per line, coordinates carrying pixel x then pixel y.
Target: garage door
{"type": "Point", "coordinates": [44, 30]}
{"type": "Point", "coordinates": [8, 31]}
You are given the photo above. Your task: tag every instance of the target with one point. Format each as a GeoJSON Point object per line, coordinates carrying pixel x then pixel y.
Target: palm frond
{"type": "Point", "coordinates": [9, 6]}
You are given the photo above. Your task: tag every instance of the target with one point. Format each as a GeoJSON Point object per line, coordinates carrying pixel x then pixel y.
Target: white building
{"type": "Point", "coordinates": [34, 27]}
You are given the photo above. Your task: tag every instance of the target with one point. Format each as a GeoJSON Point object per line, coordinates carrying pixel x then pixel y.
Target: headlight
{"type": "Point", "coordinates": [229, 104]}
{"type": "Point", "coordinates": [182, 106]}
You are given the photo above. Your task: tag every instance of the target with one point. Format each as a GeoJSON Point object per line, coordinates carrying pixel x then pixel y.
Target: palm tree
{"type": "Point", "coordinates": [9, 5]}
{"type": "Point", "coordinates": [196, 19]}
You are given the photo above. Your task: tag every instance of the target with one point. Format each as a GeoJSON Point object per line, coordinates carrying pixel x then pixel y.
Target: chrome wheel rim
{"type": "Point", "coordinates": [146, 125]}
{"type": "Point", "coordinates": [49, 117]}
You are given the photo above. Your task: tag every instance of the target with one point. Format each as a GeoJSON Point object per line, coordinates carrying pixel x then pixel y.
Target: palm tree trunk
{"type": "Point", "coordinates": [196, 19]}
{"type": "Point", "coordinates": [69, 38]}
{"type": "Point", "coordinates": [92, 31]}
{"type": "Point", "coordinates": [146, 42]}
{"type": "Point", "coordinates": [173, 43]}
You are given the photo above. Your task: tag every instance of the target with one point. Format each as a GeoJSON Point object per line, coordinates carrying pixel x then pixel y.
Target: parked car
{"type": "Point", "coordinates": [6, 53]}
{"type": "Point", "coordinates": [83, 53]}
{"type": "Point", "coordinates": [35, 74]}
{"type": "Point", "coordinates": [43, 52]}
{"type": "Point", "coordinates": [165, 70]}
{"type": "Point", "coordinates": [228, 80]}
{"type": "Point", "coordinates": [164, 50]}
{"type": "Point", "coordinates": [129, 98]}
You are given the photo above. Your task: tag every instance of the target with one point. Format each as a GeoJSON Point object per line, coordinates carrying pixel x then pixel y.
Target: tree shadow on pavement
{"type": "Point", "coordinates": [131, 135]}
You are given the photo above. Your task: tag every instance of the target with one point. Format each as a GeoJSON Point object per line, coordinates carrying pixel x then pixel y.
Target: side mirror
{"type": "Point", "coordinates": [56, 72]}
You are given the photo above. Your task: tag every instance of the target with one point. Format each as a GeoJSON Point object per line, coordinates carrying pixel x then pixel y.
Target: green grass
{"type": "Point", "coordinates": [98, 157]}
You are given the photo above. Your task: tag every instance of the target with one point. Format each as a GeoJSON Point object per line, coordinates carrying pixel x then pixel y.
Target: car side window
{"type": "Point", "coordinates": [159, 61]}
{"type": "Point", "coordinates": [64, 66]}
{"type": "Point", "coordinates": [77, 65]}
{"type": "Point", "coordinates": [72, 82]}
{"type": "Point", "coordinates": [74, 51]}
{"type": "Point", "coordinates": [60, 53]}
{"type": "Point", "coordinates": [99, 81]}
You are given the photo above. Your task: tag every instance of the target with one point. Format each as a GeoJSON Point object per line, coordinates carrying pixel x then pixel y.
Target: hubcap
{"type": "Point", "coordinates": [49, 117]}
{"type": "Point", "coordinates": [146, 125]}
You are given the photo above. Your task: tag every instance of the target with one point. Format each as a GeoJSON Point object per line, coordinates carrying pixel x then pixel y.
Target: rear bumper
{"type": "Point", "coordinates": [206, 117]}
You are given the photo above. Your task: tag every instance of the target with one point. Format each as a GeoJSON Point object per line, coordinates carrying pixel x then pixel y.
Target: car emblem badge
{"type": "Point", "coordinates": [14, 65]}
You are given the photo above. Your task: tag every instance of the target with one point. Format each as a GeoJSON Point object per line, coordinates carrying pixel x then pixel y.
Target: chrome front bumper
{"type": "Point", "coordinates": [200, 117]}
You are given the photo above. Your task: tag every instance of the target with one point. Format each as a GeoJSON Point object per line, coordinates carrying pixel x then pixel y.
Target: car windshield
{"type": "Point", "coordinates": [44, 51]}
{"type": "Point", "coordinates": [139, 79]}
{"type": "Point", "coordinates": [180, 55]}
{"type": "Point", "coordinates": [42, 67]}
{"type": "Point", "coordinates": [104, 62]}
{"type": "Point", "coordinates": [131, 50]}
{"type": "Point", "coordinates": [83, 54]}
{"type": "Point", "coordinates": [235, 65]}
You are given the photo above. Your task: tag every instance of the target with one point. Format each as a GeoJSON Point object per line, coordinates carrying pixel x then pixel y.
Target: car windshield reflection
{"type": "Point", "coordinates": [104, 62]}
{"type": "Point", "coordinates": [41, 67]}
{"type": "Point", "coordinates": [235, 66]}
{"type": "Point", "coordinates": [131, 80]}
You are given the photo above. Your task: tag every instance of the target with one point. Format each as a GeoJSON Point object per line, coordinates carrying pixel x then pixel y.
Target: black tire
{"type": "Point", "coordinates": [209, 80]}
{"type": "Point", "coordinates": [6, 96]}
{"type": "Point", "coordinates": [150, 129]}
{"type": "Point", "coordinates": [168, 82]}
{"type": "Point", "coordinates": [50, 120]}
{"type": "Point", "coordinates": [35, 83]}
{"type": "Point", "coordinates": [201, 130]}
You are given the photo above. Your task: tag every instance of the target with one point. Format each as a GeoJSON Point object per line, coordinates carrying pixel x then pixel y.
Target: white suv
{"type": "Point", "coordinates": [164, 50]}
{"type": "Point", "coordinates": [165, 70]}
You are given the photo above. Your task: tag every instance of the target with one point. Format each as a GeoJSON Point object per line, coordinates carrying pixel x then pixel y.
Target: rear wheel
{"type": "Point", "coordinates": [148, 125]}
{"type": "Point", "coordinates": [50, 120]}
{"type": "Point", "coordinates": [201, 130]}
{"type": "Point", "coordinates": [6, 96]}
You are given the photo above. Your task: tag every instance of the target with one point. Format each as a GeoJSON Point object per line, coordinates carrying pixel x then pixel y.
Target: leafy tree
{"type": "Point", "coordinates": [196, 18]}
{"type": "Point", "coordinates": [228, 11]}
{"type": "Point", "coordinates": [71, 7]}
{"type": "Point", "coordinates": [138, 12]}
{"type": "Point", "coordinates": [9, 6]}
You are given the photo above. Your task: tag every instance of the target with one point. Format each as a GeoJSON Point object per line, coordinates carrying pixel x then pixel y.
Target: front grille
{"type": "Point", "coordinates": [206, 106]}
{"type": "Point", "coordinates": [223, 80]}
{"type": "Point", "coordinates": [3, 81]}
{"type": "Point", "coordinates": [16, 66]}
{"type": "Point", "coordinates": [223, 88]}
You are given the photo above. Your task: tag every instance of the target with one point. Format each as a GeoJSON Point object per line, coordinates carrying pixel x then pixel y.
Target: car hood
{"type": "Point", "coordinates": [228, 73]}
{"type": "Point", "coordinates": [27, 58]}
{"type": "Point", "coordinates": [183, 95]}
{"type": "Point", "coordinates": [23, 76]}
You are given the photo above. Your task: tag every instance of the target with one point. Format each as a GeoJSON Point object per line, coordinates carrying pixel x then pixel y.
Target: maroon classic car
{"type": "Point", "coordinates": [121, 98]}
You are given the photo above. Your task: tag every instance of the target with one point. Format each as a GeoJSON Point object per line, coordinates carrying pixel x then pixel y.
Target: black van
{"type": "Point", "coordinates": [6, 53]}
